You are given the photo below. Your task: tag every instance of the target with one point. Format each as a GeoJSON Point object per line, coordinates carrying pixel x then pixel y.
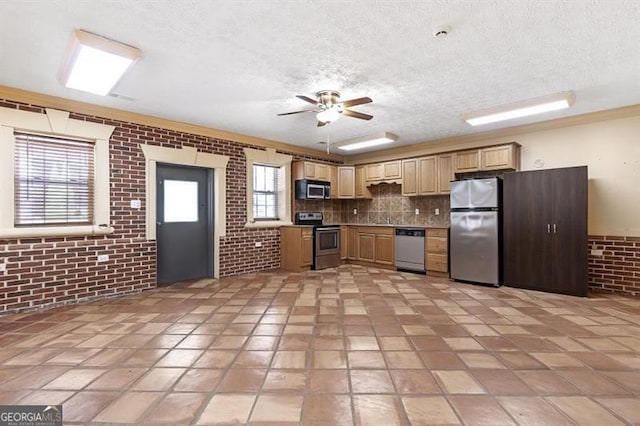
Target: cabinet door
{"type": "Point", "coordinates": [306, 256]}
{"type": "Point", "coordinates": [428, 176]}
{"type": "Point", "coordinates": [373, 172]}
{"type": "Point", "coordinates": [392, 170]}
{"type": "Point", "coordinates": [410, 177]}
{"type": "Point", "coordinates": [567, 188]}
{"type": "Point", "coordinates": [344, 242]}
{"type": "Point", "coordinates": [346, 182]}
{"type": "Point", "coordinates": [498, 158]}
{"type": "Point", "coordinates": [323, 172]}
{"type": "Point", "coordinates": [526, 230]}
{"type": "Point", "coordinates": [367, 247]}
{"type": "Point", "coordinates": [361, 185]}
{"type": "Point", "coordinates": [384, 251]}
{"type": "Point", "coordinates": [309, 170]}
{"type": "Point", "coordinates": [352, 245]}
{"type": "Point", "coordinates": [467, 161]}
{"type": "Point", "coordinates": [445, 173]}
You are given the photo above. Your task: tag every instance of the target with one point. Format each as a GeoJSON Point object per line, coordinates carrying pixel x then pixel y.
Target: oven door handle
{"type": "Point", "coordinates": [328, 229]}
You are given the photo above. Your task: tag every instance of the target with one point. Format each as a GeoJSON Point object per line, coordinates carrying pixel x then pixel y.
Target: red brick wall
{"type": "Point", "coordinates": [50, 271]}
{"type": "Point", "coordinates": [618, 269]}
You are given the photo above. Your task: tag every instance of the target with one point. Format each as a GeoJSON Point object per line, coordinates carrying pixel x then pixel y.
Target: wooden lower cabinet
{"type": "Point", "coordinates": [437, 250]}
{"type": "Point", "coordinates": [296, 248]}
{"type": "Point", "coordinates": [344, 242]}
{"type": "Point", "coordinates": [376, 244]}
{"type": "Point", "coordinates": [352, 242]}
{"type": "Point", "coordinates": [366, 247]}
{"type": "Point", "coordinates": [385, 250]}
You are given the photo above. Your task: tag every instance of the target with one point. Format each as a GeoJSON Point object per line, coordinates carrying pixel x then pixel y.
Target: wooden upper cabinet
{"type": "Point", "coordinates": [502, 157]}
{"type": "Point", "coordinates": [428, 175]}
{"type": "Point", "coordinates": [445, 173]}
{"type": "Point", "coordinates": [410, 177]}
{"type": "Point", "coordinates": [467, 161]}
{"type": "Point", "coordinates": [389, 170]}
{"type": "Point", "coordinates": [361, 185]}
{"type": "Point", "coordinates": [346, 186]}
{"type": "Point", "coordinates": [311, 170]}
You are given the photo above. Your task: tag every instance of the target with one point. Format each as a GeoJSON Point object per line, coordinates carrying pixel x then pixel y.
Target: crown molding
{"type": "Point", "coordinates": [48, 101]}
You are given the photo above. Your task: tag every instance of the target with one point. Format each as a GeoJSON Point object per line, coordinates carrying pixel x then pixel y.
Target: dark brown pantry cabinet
{"type": "Point", "coordinates": [545, 230]}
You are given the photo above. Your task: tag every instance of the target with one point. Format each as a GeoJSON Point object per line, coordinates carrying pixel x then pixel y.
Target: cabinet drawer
{"type": "Point", "coordinates": [384, 230]}
{"type": "Point", "coordinates": [307, 231]}
{"type": "Point", "coordinates": [437, 262]}
{"type": "Point", "coordinates": [437, 233]}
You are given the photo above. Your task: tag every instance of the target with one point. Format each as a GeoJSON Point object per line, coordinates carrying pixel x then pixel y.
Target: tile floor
{"type": "Point", "coordinates": [348, 346]}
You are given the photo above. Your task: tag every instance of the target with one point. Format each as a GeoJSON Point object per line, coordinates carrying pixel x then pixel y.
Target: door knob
{"type": "Point", "coordinates": [158, 223]}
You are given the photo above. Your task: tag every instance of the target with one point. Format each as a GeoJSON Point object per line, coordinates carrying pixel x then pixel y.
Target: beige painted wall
{"type": "Point", "coordinates": [611, 150]}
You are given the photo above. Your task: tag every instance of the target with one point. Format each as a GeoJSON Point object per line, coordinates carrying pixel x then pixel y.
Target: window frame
{"type": "Point", "coordinates": [58, 124]}
{"type": "Point", "coordinates": [270, 157]}
{"type": "Point", "coordinates": [274, 192]}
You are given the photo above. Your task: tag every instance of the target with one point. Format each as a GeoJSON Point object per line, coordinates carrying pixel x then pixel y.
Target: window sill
{"type": "Point", "coordinates": [267, 223]}
{"type": "Point", "coordinates": [55, 231]}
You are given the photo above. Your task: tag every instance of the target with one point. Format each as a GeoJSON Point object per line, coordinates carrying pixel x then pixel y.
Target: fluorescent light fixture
{"type": "Point", "coordinates": [95, 64]}
{"type": "Point", "coordinates": [521, 109]}
{"type": "Point", "coordinates": [328, 115]}
{"type": "Point", "coordinates": [366, 141]}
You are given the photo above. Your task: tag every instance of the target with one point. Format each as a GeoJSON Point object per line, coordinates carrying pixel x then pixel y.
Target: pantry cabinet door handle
{"type": "Point", "coordinates": [555, 229]}
{"type": "Point", "coordinates": [548, 228]}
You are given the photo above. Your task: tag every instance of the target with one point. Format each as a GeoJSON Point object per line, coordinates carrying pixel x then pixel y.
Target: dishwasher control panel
{"type": "Point", "coordinates": [410, 232]}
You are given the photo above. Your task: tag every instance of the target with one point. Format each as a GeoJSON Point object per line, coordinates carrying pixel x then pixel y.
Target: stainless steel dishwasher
{"type": "Point", "coordinates": [410, 249]}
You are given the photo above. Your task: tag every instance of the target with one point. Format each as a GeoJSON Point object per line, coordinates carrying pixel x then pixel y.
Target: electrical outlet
{"type": "Point", "coordinates": [3, 267]}
{"type": "Point", "coordinates": [595, 252]}
{"type": "Point", "coordinates": [258, 244]}
{"type": "Point", "coordinates": [355, 211]}
{"type": "Point", "coordinates": [103, 258]}
{"type": "Point", "coordinates": [136, 204]}
{"type": "Point", "coordinates": [417, 212]}
{"type": "Point", "coordinates": [437, 212]}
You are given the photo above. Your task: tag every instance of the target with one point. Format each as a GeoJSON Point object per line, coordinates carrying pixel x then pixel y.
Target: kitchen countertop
{"type": "Point", "coordinates": [394, 225]}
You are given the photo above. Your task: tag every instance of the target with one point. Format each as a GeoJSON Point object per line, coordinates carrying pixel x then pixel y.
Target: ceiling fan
{"type": "Point", "coordinates": [329, 108]}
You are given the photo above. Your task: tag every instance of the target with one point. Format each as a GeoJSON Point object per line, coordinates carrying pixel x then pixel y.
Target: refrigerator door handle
{"type": "Point", "coordinates": [548, 228]}
{"type": "Point", "coordinates": [555, 229]}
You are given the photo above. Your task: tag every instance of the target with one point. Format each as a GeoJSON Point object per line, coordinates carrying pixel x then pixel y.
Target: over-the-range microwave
{"type": "Point", "coordinates": [312, 190]}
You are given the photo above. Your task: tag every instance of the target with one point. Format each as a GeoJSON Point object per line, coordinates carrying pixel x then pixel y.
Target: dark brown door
{"type": "Point", "coordinates": [568, 188]}
{"type": "Point", "coordinates": [526, 234]}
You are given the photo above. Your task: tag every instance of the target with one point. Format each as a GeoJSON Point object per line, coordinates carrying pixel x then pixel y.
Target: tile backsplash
{"type": "Point", "coordinates": [387, 202]}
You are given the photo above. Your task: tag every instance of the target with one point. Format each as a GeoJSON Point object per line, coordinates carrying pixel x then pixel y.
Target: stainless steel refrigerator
{"type": "Point", "coordinates": [476, 234]}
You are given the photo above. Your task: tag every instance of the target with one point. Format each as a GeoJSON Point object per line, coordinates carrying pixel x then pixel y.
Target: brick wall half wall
{"type": "Point", "coordinates": [617, 269]}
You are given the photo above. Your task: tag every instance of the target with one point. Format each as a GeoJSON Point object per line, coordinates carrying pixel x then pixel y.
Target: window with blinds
{"type": "Point", "coordinates": [265, 192]}
{"type": "Point", "coordinates": [54, 181]}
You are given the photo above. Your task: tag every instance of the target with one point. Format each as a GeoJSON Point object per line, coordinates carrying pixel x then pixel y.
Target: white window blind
{"type": "Point", "coordinates": [265, 192]}
{"type": "Point", "coordinates": [54, 181]}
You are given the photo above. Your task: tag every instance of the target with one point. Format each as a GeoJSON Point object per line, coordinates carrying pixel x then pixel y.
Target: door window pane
{"type": "Point", "coordinates": [180, 201]}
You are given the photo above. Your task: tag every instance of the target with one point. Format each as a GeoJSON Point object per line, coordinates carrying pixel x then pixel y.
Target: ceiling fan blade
{"type": "Point", "coordinates": [357, 114]}
{"type": "Point", "coordinates": [298, 112]}
{"type": "Point", "coordinates": [307, 99]}
{"type": "Point", "coordinates": [354, 102]}
{"type": "Point", "coordinates": [321, 123]}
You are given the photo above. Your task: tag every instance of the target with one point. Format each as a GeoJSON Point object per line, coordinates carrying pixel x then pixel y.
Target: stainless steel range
{"type": "Point", "coordinates": [326, 240]}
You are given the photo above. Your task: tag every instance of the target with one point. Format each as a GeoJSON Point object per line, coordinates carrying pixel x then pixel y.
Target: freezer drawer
{"type": "Point", "coordinates": [474, 247]}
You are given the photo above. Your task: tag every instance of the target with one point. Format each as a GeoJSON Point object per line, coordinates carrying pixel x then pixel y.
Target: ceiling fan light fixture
{"type": "Point", "coordinates": [521, 109]}
{"type": "Point", "coordinates": [328, 115]}
{"type": "Point", "coordinates": [366, 141]}
{"type": "Point", "coordinates": [95, 64]}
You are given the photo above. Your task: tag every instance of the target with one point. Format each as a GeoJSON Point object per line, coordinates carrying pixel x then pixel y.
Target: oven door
{"type": "Point", "coordinates": [326, 248]}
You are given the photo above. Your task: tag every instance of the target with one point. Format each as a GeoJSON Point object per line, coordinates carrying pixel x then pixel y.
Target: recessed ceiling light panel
{"type": "Point", "coordinates": [521, 109]}
{"type": "Point", "coordinates": [95, 64]}
{"type": "Point", "coordinates": [366, 141]}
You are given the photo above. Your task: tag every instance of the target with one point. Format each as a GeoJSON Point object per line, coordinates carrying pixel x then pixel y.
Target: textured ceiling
{"type": "Point", "coordinates": [233, 65]}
